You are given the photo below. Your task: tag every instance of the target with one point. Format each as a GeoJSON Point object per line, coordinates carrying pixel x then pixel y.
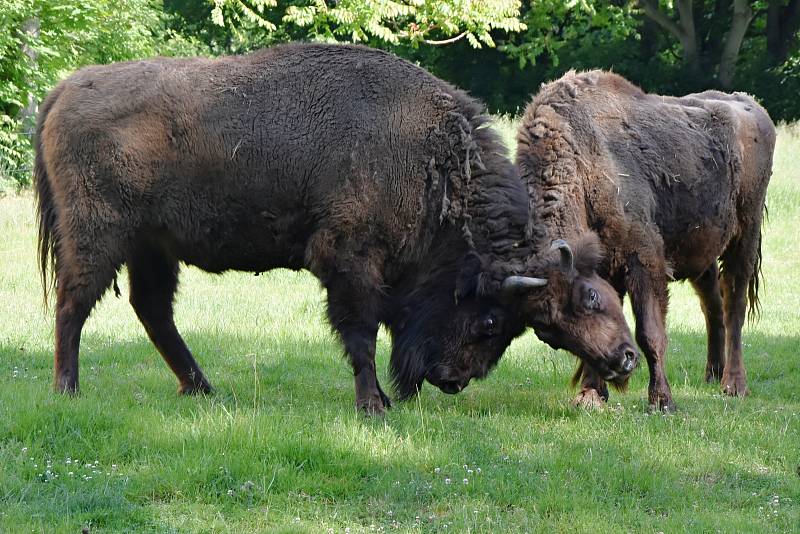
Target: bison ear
{"type": "Point", "coordinates": [467, 282]}
{"type": "Point", "coordinates": [567, 259]}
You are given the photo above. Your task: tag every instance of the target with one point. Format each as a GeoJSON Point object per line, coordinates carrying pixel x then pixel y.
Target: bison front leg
{"type": "Point", "coordinates": [351, 271]}
{"type": "Point", "coordinates": [358, 330]}
{"type": "Point", "coordinates": [649, 303]}
{"type": "Point", "coordinates": [360, 346]}
{"type": "Point", "coordinates": [707, 288]}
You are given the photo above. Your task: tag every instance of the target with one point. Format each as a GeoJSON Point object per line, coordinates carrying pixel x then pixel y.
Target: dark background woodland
{"type": "Point", "coordinates": [499, 50]}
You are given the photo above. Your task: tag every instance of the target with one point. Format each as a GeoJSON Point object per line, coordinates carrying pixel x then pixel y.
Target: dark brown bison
{"type": "Point", "coordinates": [377, 177]}
{"type": "Point", "coordinates": [670, 186]}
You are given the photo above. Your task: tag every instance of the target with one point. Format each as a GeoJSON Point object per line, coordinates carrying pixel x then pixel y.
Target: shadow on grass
{"type": "Point", "coordinates": [294, 372]}
{"type": "Point", "coordinates": [281, 433]}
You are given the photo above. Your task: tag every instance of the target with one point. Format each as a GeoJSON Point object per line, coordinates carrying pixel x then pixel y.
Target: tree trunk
{"type": "Point", "coordinates": [688, 35]}
{"type": "Point", "coordinates": [740, 21]}
{"type": "Point", "coordinates": [684, 31]}
{"type": "Point", "coordinates": [717, 27]}
{"type": "Point", "coordinates": [783, 22]}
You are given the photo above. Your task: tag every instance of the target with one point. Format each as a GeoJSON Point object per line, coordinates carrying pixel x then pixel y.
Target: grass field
{"type": "Point", "coordinates": [280, 448]}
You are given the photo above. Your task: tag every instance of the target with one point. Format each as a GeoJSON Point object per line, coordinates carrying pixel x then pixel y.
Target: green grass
{"type": "Point", "coordinates": [279, 447]}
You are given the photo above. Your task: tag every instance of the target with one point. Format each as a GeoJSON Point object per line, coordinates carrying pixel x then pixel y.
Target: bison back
{"type": "Point", "coordinates": [236, 162]}
{"type": "Point", "coordinates": [675, 164]}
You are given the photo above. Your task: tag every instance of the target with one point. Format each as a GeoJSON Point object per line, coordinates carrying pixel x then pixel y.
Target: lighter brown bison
{"type": "Point", "coordinates": [675, 190]}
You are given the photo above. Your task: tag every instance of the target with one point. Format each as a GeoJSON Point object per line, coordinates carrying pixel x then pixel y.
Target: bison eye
{"type": "Point", "coordinates": [485, 327]}
{"type": "Point", "coordinates": [592, 299]}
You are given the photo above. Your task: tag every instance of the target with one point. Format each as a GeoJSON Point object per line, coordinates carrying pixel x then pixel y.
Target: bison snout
{"type": "Point", "coordinates": [628, 360]}
{"type": "Point", "coordinates": [624, 361]}
{"type": "Point", "coordinates": [451, 387]}
{"type": "Point", "coordinates": [448, 381]}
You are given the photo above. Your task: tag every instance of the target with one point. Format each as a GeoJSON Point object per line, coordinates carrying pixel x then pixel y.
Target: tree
{"type": "Point", "coordinates": [783, 23]}
{"type": "Point", "coordinates": [697, 47]}
{"type": "Point", "coordinates": [554, 24]}
{"type": "Point", "coordinates": [435, 22]}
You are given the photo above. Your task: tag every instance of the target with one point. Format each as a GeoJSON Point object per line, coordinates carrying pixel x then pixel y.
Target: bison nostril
{"type": "Point", "coordinates": [630, 360]}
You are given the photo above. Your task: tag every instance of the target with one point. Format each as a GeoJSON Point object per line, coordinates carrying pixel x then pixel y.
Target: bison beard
{"type": "Point", "coordinates": [672, 187]}
{"type": "Point", "coordinates": [374, 175]}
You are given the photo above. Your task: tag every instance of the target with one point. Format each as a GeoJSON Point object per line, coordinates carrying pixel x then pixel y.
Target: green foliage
{"type": "Point", "coordinates": [389, 22]}
{"type": "Point", "coordinates": [555, 24]}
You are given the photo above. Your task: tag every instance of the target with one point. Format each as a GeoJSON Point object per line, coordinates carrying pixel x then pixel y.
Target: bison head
{"type": "Point", "coordinates": [447, 334]}
{"type": "Point", "coordinates": [573, 308]}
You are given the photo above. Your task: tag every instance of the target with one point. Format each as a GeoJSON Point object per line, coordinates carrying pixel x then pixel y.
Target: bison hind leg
{"type": "Point", "coordinates": [738, 269]}
{"type": "Point", "coordinates": [83, 274]}
{"type": "Point", "coordinates": [708, 289]}
{"type": "Point", "coordinates": [153, 277]}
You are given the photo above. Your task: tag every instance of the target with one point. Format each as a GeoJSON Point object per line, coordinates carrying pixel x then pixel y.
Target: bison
{"type": "Point", "coordinates": [673, 187]}
{"type": "Point", "coordinates": [577, 309]}
{"type": "Point", "coordinates": [377, 177]}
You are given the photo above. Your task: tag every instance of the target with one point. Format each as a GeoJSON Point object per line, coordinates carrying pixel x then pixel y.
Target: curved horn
{"type": "Point", "coordinates": [514, 284]}
{"type": "Point", "coordinates": [567, 260]}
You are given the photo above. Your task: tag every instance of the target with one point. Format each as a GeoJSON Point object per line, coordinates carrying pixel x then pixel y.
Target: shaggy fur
{"type": "Point", "coordinates": [379, 178]}
{"type": "Point", "coordinates": [670, 185]}
{"type": "Point", "coordinates": [577, 310]}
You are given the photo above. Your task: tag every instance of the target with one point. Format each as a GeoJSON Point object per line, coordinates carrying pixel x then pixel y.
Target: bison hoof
{"type": "Point", "coordinates": [66, 385]}
{"type": "Point", "coordinates": [371, 406]}
{"type": "Point", "coordinates": [195, 388]}
{"type": "Point", "coordinates": [661, 403]}
{"type": "Point", "coordinates": [589, 399]}
{"type": "Point", "coordinates": [735, 386]}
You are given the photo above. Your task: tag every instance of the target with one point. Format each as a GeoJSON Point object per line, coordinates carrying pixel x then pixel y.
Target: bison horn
{"type": "Point", "coordinates": [567, 260]}
{"type": "Point", "coordinates": [514, 284]}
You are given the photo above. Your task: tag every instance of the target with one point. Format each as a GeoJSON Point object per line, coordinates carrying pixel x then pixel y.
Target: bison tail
{"type": "Point", "coordinates": [47, 221]}
{"type": "Point", "coordinates": [754, 304]}
{"type": "Point", "coordinates": [45, 207]}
